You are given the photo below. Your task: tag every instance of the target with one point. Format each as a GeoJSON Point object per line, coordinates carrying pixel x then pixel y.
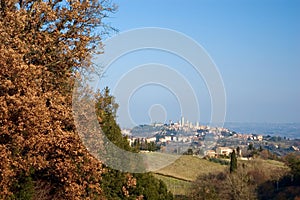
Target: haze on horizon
{"type": "Point", "coordinates": [255, 45]}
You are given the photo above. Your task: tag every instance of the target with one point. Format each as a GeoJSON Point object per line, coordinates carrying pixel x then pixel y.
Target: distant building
{"type": "Point", "coordinates": [158, 124]}
{"type": "Point", "coordinates": [126, 132]}
{"type": "Point", "coordinates": [224, 151]}
{"type": "Point", "coordinates": [162, 140]}
{"type": "Point", "coordinates": [168, 138]}
{"type": "Point", "coordinates": [152, 139]}
{"type": "Point", "coordinates": [130, 141]}
{"type": "Point", "coordinates": [210, 153]}
{"type": "Point", "coordinates": [294, 148]}
{"type": "Point", "coordinates": [174, 138]}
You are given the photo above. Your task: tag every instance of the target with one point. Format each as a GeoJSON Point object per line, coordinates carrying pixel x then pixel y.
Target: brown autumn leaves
{"type": "Point", "coordinates": [42, 44]}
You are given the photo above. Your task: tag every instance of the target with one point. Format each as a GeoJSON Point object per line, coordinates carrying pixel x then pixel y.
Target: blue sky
{"type": "Point", "coordinates": [255, 45]}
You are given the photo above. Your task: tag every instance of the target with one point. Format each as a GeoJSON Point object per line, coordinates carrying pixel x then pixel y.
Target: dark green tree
{"type": "Point", "coordinates": [238, 151]}
{"type": "Point", "coordinates": [152, 146]}
{"type": "Point", "coordinates": [190, 151]}
{"type": "Point", "coordinates": [106, 109]}
{"type": "Point", "coordinates": [250, 147]}
{"type": "Point", "coordinates": [151, 188]}
{"type": "Point", "coordinates": [233, 162]}
{"type": "Point", "coordinates": [119, 185]}
{"type": "Point", "coordinates": [292, 160]}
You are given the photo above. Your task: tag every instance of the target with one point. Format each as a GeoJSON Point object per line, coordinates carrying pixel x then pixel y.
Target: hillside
{"type": "Point", "coordinates": [179, 175]}
{"type": "Point", "coordinates": [189, 167]}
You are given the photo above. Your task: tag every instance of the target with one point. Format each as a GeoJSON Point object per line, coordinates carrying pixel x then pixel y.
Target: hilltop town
{"type": "Point", "coordinates": [184, 137]}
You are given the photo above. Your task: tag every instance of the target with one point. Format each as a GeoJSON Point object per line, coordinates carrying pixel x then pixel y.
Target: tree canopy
{"type": "Point", "coordinates": [233, 162]}
{"type": "Point", "coordinates": [42, 45]}
{"type": "Point", "coordinates": [117, 184]}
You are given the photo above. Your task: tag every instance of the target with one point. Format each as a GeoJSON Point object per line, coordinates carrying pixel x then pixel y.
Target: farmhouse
{"type": "Point", "coordinates": [223, 151]}
{"type": "Point", "coordinates": [210, 153]}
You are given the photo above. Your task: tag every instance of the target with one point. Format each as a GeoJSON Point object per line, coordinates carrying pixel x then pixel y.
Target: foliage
{"type": "Point", "coordinates": [284, 185]}
{"type": "Point", "coordinates": [292, 160]}
{"type": "Point", "coordinates": [268, 155]}
{"type": "Point", "coordinates": [151, 188]}
{"type": "Point", "coordinates": [251, 147]}
{"type": "Point", "coordinates": [106, 110]}
{"type": "Point", "coordinates": [255, 179]}
{"type": "Point", "coordinates": [223, 186]}
{"type": "Point", "coordinates": [24, 187]}
{"type": "Point", "coordinates": [189, 152]}
{"type": "Point", "coordinates": [116, 184]}
{"type": "Point", "coordinates": [220, 161]}
{"type": "Point", "coordinates": [207, 186]}
{"type": "Point", "coordinates": [238, 150]}
{"type": "Point", "coordinates": [42, 45]}
{"type": "Point", "coordinates": [178, 187]}
{"type": "Point", "coordinates": [119, 185]}
{"type": "Point", "coordinates": [144, 145]}
{"type": "Point", "coordinates": [233, 162]}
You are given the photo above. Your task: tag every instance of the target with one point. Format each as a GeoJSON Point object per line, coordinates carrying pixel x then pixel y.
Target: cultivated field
{"type": "Point", "coordinates": [179, 175]}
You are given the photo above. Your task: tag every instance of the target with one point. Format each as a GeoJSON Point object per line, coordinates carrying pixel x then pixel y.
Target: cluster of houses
{"type": "Point", "coordinates": [184, 133]}
{"type": "Point", "coordinates": [161, 140]}
{"type": "Point", "coordinates": [221, 151]}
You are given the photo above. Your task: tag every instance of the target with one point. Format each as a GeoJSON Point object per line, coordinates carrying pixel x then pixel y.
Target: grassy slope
{"type": "Point", "coordinates": [176, 186]}
{"type": "Point", "coordinates": [178, 175]}
{"type": "Point", "coordinates": [189, 167]}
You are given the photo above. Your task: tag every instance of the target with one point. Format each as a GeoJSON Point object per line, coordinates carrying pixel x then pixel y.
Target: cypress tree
{"type": "Point", "coordinates": [233, 162]}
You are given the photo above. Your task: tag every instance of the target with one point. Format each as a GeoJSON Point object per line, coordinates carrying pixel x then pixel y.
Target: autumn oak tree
{"type": "Point", "coordinates": [42, 45]}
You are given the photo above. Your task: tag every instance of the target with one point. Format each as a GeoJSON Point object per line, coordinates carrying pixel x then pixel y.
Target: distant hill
{"type": "Point", "coordinates": [289, 130]}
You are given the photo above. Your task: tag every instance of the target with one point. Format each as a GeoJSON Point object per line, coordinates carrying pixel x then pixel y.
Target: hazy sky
{"type": "Point", "coordinates": [255, 45]}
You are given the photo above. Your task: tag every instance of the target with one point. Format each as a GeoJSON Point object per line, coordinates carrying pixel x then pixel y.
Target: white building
{"type": "Point", "coordinates": [168, 138]}
{"type": "Point", "coordinates": [152, 139]}
{"type": "Point", "coordinates": [224, 151]}
{"type": "Point", "coordinates": [182, 121]}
